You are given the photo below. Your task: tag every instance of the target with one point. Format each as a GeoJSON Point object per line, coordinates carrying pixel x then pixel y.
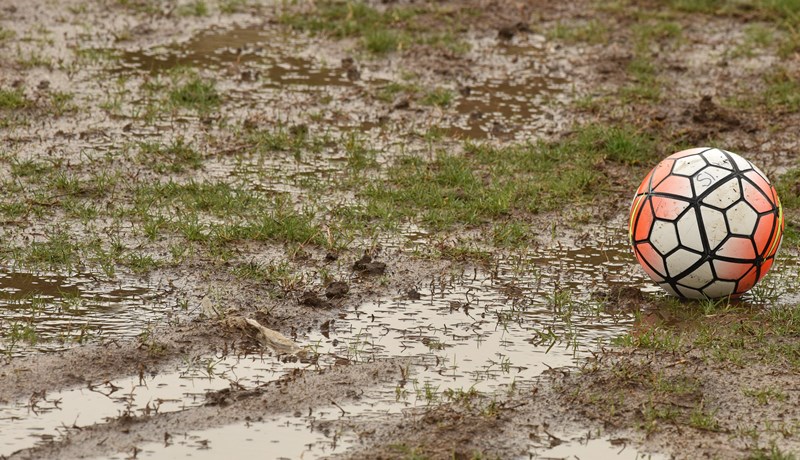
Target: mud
{"type": "Point", "coordinates": [407, 352]}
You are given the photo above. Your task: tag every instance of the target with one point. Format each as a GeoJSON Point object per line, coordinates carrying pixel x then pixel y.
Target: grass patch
{"type": "Point", "coordinates": [658, 31]}
{"type": "Point", "coordinates": [359, 155]}
{"type": "Point", "coordinates": [280, 277]}
{"type": "Point", "coordinates": [218, 199]}
{"type": "Point", "coordinates": [440, 97]}
{"type": "Point", "coordinates": [593, 32]}
{"type": "Point", "coordinates": [643, 71]}
{"type": "Point", "coordinates": [194, 94]}
{"type": "Point", "coordinates": [645, 395]}
{"type": "Point", "coordinates": [773, 453]}
{"type": "Point", "coordinates": [701, 6]}
{"type": "Point", "coordinates": [703, 420]}
{"type": "Point", "coordinates": [233, 6]}
{"type": "Point", "coordinates": [30, 168]}
{"type": "Point", "coordinates": [34, 59]}
{"type": "Point", "coordinates": [644, 83]}
{"type": "Point", "coordinates": [197, 8]}
{"type": "Point", "coordinates": [782, 91]}
{"type": "Point", "coordinates": [378, 30]}
{"type": "Point", "coordinates": [175, 157]}
{"type": "Point", "coordinates": [61, 102]}
{"type": "Point", "coordinates": [785, 13]}
{"type": "Point", "coordinates": [513, 234]}
{"type": "Point", "coordinates": [57, 252]}
{"type": "Point", "coordinates": [294, 139]}
{"type": "Point", "coordinates": [733, 333]}
{"type": "Point", "coordinates": [382, 41]}
{"type": "Point", "coordinates": [217, 214]}
{"type": "Point", "coordinates": [766, 394]}
{"type": "Point", "coordinates": [788, 187]}
{"type": "Point", "coordinates": [141, 263]}
{"type": "Point", "coordinates": [381, 31]}
{"type": "Point", "coordinates": [473, 188]}
{"type": "Point", "coordinates": [651, 338]}
{"type": "Point", "coordinates": [756, 37]}
{"type": "Point", "coordinates": [5, 34]}
{"type": "Point", "coordinates": [13, 99]}
{"type": "Point", "coordinates": [150, 7]}
{"type": "Point", "coordinates": [282, 224]}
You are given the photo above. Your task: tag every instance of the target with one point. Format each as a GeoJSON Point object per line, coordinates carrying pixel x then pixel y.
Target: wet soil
{"type": "Point", "coordinates": [407, 355]}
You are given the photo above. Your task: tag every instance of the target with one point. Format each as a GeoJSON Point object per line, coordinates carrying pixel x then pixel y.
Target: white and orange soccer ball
{"type": "Point", "coordinates": [706, 223]}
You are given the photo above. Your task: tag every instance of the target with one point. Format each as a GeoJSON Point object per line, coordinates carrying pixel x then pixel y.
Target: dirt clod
{"type": "Point", "coordinates": [366, 266]}
{"type": "Point", "coordinates": [336, 290]}
{"type": "Point", "coordinates": [311, 299]}
{"type": "Point", "coordinates": [508, 32]}
{"type": "Point", "coordinates": [710, 114]}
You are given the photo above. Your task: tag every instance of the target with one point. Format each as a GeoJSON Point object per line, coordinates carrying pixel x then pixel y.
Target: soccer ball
{"type": "Point", "coordinates": [705, 223]}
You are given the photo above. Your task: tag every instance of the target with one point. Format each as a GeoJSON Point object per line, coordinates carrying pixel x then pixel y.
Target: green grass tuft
{"type": "Point", "coordinates": [381, 41]}
{"type": "Point", "coordinates": [175, 157]}
{"type": "Point", "coordinates": [195, 94]}
{"type": "Point", "coordinates": [440, 97]}
{"type": "Point", "coordinates": [57, 252]}
{"type": "Point", "coordinates": [782, 91]}
{"type": "Point", "coordinates": [12, 99]}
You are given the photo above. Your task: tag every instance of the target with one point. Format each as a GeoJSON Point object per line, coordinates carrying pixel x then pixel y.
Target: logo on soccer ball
{"type": "Point", "coordinates": [705, 223]}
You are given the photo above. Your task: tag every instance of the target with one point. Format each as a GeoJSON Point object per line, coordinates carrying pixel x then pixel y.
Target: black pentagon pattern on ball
{"type": "Point", "coordinates": [694, 242]}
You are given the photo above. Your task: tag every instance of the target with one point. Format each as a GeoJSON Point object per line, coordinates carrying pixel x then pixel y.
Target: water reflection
{"type": "Point", "coordinates": [49, 312]}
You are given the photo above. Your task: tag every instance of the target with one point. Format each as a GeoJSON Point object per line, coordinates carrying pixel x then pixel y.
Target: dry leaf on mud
{"type": "Point", "coordinates": [274, 340]}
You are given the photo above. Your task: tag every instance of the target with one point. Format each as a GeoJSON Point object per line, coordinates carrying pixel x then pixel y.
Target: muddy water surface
{"type": "Point", "coordinates": [481, 331]}
{"type": "Point", "coordinates": [47, 416]}
{"type": "Point", "coordinates": [49, 312]}
{"type": "Point", "coordinates": [271, 56]}
{"type": "Point", "coordinates": [492, 333]}
{"type": "Point", "coordinates": [516, 105]}
{"type": "Point", "coordinates": [519, 105]}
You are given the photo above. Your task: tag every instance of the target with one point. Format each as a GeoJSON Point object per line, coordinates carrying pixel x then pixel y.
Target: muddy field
{"type": "Point", "coordinates": [382, 230]}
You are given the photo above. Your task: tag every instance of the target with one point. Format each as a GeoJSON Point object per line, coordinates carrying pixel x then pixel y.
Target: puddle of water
{"type": "Point", "coordinates": [261, 55]}
{"type": "Point", "coordinates": [313, 435]}
{"type": "Point", "coordinates": [48, 312]}
{"type": "Point", "coordinates": [510, 106]}
{"type": "Point", "coordinates": [304, 435]}
{"type": "Point", "coordinates": [45, 417]}
{"type": "Point", "coordinates": [595, 449]}
{"type": "Point", "coordinates": [498, 107]}
{"type": "Point", "coordinates": [275, 438]}
{"type": "Point", "coordinates": [467, 331]}
{"type": "Point", "coordinates": [514, 105]}
{"type": "Point", "coordinates": [489, 332]}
